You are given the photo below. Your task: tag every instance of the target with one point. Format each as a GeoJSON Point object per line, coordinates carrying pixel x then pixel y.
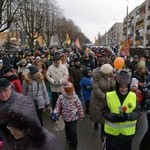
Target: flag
{"type": "Point", "coordinates": [68, 41]}
{"type": "Point", "coordinates": [125, 47]}
{"type": "Point", "coordinates": [77, 43]}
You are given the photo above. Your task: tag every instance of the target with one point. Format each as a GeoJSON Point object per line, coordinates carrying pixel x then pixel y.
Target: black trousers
{"type": "Point", "coordinates": [54, 99]}
{"type": "Point", "coordinates": [87, 105]}
{"type": "Point", "coordinates": [118, 144]}
{"type": "Point", "coordinates": [40, 115]}
{"type": "Point", "coordinates": [71, 133]}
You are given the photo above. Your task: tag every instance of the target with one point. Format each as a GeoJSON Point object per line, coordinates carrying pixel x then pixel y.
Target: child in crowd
{"type": "Point", "coordinates": [70, 107]}
{"type": "Point", "coordinates": [86, 85]}
{"type": "Point", "coordinates": [134, 88]}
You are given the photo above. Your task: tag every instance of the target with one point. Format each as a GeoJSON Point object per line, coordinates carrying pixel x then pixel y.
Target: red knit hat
{"type": "Point", "coordinates": [69, 88]}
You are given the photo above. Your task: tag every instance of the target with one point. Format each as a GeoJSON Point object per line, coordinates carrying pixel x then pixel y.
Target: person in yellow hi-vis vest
{"type": "Point", "coordinates": [121, 111]}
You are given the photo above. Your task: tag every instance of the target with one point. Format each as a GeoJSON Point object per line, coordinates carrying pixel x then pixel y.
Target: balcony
{"type": "Point", "coordinates": [139, 38]}
{"type": "Point", "coordinates": [148, 27]}
{"type": "Point", "coordinates": [148, 36]}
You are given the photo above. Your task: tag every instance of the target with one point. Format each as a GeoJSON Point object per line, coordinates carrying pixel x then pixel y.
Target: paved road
{"type": "Point", "coordinates": [88, 138]}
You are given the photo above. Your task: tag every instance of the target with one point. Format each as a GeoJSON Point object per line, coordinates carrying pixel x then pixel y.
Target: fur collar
{"type": "Point", "coordinates": [29, 80]}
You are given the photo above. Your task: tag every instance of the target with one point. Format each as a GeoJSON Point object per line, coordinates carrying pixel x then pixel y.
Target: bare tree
{"type": "Point", "coordinates": [8, 10]}
{"type": "Point", "coordinates": [68, 26]}
{"type": "Point", "coordinates": [32, 16]}
{"type": "Point", "coordinates": [50, 21]}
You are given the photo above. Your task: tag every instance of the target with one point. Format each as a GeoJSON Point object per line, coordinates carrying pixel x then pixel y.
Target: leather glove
{"type": "Point", "coordinates": [118, 117]}
{"type": "Point", "coordinates": [124, 117]}
{"type": "Point", "coordinates": [113, 117]}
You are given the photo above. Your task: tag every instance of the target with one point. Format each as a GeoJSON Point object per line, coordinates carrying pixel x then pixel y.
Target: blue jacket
{"type": "Point", "coordinates": [86, 85]}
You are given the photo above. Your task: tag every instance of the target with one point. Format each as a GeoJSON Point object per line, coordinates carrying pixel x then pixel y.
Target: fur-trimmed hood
{"type": "Point", "coordinates": [28, 78]}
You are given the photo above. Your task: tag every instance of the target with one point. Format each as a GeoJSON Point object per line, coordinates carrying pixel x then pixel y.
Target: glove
{"type": "Point", "coordinates": [124, 117]}
{"type": "Point", "coordinates": [53, 116]}
{"type": "Point", "coordinates": [118, 117]}
{"type": "Point", "coordinates": [88, 87]}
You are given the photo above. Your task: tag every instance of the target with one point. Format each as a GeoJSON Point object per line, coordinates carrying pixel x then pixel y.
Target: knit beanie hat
{"type": "Point", "coordinates": [1, 62]}
{"type": "Point", "coordinates": [69, 88]}
{"type": "Point", "coordinates": [56, 57]}
{"type": "Point", "coordinates": [33, 69]}
{"type": "Point", "coordinates": [123, 76]}
{"type": "Point", "coordinates": [106, 69]}
{"type": "Point", "coordinates": [6, 70]}
{"type": "Point", "coordinates": [146, 52]}
{"type": "Point", "coordinates": [134, 82]}
{"type": "Point", "coordinates": [4, 83]}
{"type": "Point", "coordinates": [141, 64]}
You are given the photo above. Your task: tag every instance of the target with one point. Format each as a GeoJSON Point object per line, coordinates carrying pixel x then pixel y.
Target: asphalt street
{"type": "Point", "coordinates": [88, 138]}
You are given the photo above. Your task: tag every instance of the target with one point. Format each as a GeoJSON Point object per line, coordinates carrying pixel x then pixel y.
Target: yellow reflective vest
{"type": "Point", "coordinates": [125, 128]}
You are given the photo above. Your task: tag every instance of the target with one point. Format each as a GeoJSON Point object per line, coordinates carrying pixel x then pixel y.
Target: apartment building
{"type": "Point", "coordinates": [114, 35]}
{"type": "Point", "coordinates": [137, 28]}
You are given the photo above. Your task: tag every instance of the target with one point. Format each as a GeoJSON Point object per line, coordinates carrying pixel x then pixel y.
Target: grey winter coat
{"type": "Point", "coordinates": [100, 85]}
{"type": "Point", "coordinates": [22, 104]}
{"type": "Point", "coordinates": [37, 90]}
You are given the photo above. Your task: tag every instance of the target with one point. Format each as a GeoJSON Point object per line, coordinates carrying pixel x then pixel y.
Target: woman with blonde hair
{"type": "Point", "coordinates": [34, 86]}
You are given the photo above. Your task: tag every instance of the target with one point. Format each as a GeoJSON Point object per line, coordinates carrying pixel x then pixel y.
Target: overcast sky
{"type": "Point", "coordinates": [93, 16]}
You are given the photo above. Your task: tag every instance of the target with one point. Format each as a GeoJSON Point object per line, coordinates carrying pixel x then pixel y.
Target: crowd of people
{"type": "Point", "coordinates": [73, 83]}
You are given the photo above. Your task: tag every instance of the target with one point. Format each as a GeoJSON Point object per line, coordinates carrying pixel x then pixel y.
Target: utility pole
{"type": "Point", "coordinates": [127, 17]}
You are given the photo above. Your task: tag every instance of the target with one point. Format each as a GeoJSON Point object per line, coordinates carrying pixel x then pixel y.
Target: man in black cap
{"type": "Point", "coordinates": [57, 74]}
{"type": "Point", "coordinates": [13, 101]}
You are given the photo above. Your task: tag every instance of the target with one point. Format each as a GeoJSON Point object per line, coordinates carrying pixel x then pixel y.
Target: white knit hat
{"type": "Point", "coordinates": [1, 62]}
{"type": "Point", "coordinates": [106, 69]}
{"type": "Point", "coordinates": [134, 82]}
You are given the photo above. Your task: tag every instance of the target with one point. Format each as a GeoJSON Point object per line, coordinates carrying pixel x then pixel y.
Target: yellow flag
{"type": "Point", "coordinates": [68, 41]}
